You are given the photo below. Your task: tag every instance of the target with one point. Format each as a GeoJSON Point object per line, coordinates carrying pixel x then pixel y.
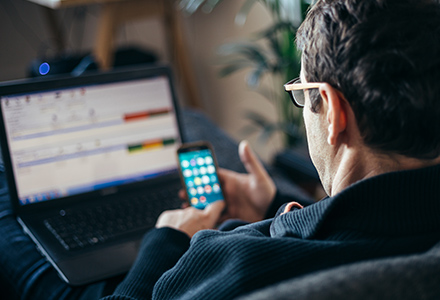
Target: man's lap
{"type": "Point", "coordinates": [24, 272]}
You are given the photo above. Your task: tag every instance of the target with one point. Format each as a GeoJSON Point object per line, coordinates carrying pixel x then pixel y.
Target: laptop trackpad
{"type": "Point", "coordinates": [98, 265]}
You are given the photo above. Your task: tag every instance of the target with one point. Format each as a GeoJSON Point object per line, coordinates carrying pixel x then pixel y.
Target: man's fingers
{"type": "Point", "coordinates": [250, 160]}
{"type": "Point", "coordinates": [214, 210]}
{"type": "Point", "coordinates": [182, 194]}
{"type": "Point", "coordinates": [224, 174]}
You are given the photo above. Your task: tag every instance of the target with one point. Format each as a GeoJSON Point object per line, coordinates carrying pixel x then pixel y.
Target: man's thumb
{"type": "Point", "coordinates": [250, 160]}
{"type": "Point", "coordinates": [214, 210]}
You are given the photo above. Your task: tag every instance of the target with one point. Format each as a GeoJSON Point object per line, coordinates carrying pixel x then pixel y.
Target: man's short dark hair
{"type": "Point", "coordinates": [384, 56]}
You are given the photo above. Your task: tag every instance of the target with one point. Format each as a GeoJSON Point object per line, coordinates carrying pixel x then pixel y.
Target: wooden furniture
{"type": "Point", "coordinates": [115, 13]}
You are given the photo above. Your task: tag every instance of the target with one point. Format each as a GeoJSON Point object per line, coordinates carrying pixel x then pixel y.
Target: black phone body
{"type": "Point", "coordinates": [198, 170]}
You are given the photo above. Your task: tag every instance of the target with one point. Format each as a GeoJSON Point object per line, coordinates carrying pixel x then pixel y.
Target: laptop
{"type": "Point", "coordinates": [91, 163]}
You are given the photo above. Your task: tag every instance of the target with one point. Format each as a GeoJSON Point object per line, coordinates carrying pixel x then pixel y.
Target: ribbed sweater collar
{"type": "Point", "coordinates": [393, 204]}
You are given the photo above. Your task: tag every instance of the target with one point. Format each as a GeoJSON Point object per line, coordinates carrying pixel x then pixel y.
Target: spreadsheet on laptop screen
{"type": "Point", "coordinates": [80, 139]}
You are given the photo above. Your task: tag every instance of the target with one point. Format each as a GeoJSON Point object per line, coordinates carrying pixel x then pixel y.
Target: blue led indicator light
{"type": "Point", "coordinates": [44, 68]}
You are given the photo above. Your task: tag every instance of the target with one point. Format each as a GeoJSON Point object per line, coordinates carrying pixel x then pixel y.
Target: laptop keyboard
{"type": "Point", "coordinates": [81, 228]}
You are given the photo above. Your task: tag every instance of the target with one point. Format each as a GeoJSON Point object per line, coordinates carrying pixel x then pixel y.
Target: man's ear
{"type": "Point", "coordinates": [336, 112]}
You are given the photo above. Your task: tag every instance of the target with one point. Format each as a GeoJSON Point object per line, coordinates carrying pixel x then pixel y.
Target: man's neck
{"type": "Point", "coordinates": [358, 165]}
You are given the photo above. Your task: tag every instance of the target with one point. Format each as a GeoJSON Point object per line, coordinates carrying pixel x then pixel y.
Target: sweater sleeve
{"type": "Point", "coordinates": [160, 250]}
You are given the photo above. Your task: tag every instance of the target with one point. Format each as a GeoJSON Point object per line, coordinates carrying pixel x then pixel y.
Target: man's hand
{"type": "Point", "coordinates": [190, 220]}
{"type": "Point", "coordinates": [247, 196]}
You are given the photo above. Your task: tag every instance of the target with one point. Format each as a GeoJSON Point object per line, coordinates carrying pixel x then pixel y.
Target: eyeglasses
{"type": "Point", "coordinates": [296, 90]}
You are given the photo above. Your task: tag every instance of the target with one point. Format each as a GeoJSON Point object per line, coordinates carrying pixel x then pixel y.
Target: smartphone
{"type": "Point", "coordinates": [198, 170]}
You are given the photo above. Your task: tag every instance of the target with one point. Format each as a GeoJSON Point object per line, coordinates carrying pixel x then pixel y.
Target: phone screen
{"type": "Point", "coordinates": [199, 174]}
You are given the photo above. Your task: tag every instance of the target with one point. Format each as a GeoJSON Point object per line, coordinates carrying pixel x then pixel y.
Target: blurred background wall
{"type": "Point", "coordinates": [25, 36]}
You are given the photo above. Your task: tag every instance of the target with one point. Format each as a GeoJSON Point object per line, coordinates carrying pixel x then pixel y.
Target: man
{"type": "Point", "coordinates": [369, 88]}
{"type": "Point", "coordinates": [369, 91]}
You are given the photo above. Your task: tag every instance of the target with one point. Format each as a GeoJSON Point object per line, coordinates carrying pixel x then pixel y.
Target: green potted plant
{"type": "Point", "coordinates": [271, 54]}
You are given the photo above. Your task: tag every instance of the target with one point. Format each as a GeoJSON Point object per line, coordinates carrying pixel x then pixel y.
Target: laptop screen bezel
{"type": "Point", "coordinates": [60, 82]}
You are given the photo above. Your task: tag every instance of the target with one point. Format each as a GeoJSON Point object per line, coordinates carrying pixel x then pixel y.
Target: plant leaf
{"type": "Point", "coordinates": [267, 127]}
{"type": "Point", "coordinates": [210, 5]}
{"type": "Point", "coordinates": [268, 93]}
{"type": "Point", "coordinates": [255, 76]}
{"type": "Point", "coordinates": [277, 27]}
{"type": "Point", "coordinates": [190, 6]}
{"type": "Point", "coordinates": [241, 17]}
{"type": "Point", "coordinates": [253, 52]}
{"type": "Point", "coordinates": [257, 118]}
{"type": "Point", "coordinates": [234, 66]}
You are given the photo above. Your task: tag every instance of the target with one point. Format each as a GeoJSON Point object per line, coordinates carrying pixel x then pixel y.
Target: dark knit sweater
{"type": "Point", "coordinates": [391, 214]}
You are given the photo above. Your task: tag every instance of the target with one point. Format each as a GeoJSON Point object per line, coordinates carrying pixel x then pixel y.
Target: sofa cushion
{"type": "Point", "coordinates": [405, 277]}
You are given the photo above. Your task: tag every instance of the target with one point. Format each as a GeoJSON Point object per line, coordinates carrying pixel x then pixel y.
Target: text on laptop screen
{"type": "Point", "coordinates": [81, 139]}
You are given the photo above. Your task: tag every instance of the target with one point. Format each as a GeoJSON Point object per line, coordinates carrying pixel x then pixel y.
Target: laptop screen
{"type": "Point", "coordinates": [64, 142]}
